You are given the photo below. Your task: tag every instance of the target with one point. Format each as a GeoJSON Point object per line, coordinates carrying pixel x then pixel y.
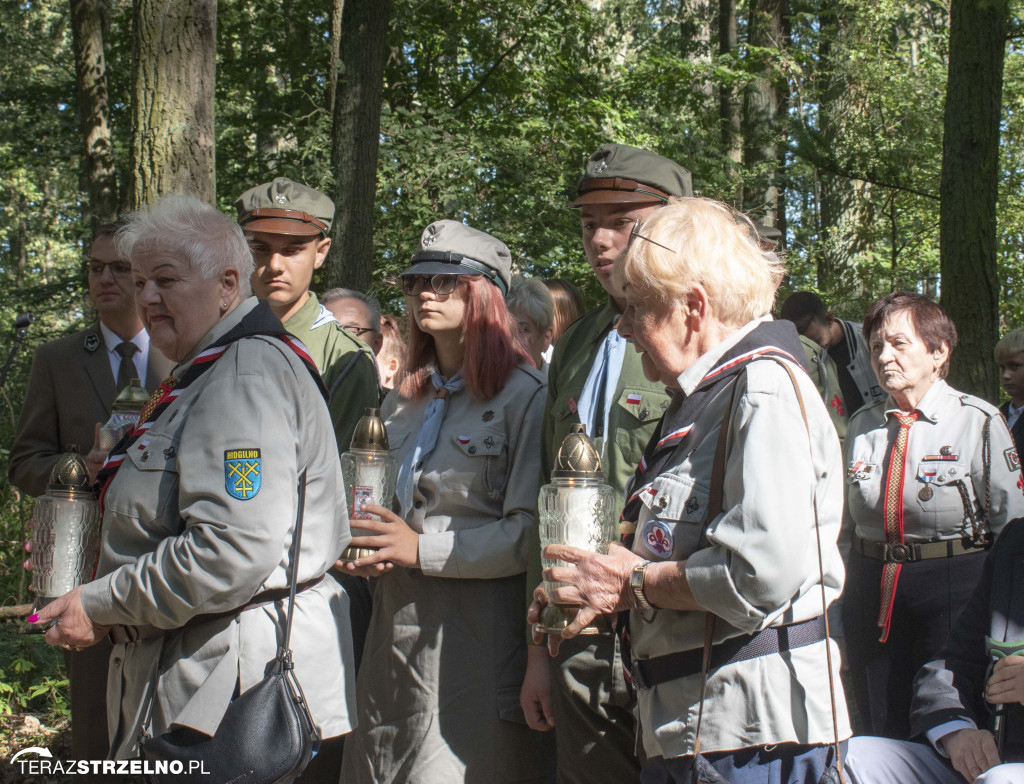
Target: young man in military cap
{"type": "Point", "coordinates": [287, 225]}
{"type": "Point", "coordinates": [596, 378]}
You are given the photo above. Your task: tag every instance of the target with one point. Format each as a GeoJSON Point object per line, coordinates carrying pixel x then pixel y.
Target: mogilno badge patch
{"type": "Point", "coordinates": [243, 473]}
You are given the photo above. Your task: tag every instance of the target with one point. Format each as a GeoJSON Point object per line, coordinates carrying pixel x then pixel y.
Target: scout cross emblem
{"type": "Point", "coordinates": [243, 475]}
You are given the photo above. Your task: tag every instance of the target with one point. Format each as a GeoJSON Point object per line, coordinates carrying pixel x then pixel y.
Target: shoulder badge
{"type": "Point", "coordinates": [243, 473]}
{"type": "Point", "coordinates": [1012, 459]}
{"type": "Point", "coordinates": [92, 342]}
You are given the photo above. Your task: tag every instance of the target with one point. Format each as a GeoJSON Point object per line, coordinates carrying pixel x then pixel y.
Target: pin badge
{"type": "Point", "coordinates": [92, 342]}
{"type": "Point", "coordinates": [488, 415]}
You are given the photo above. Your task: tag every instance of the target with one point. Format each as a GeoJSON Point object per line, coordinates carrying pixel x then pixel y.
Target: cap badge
{"type": "Point", "coordinates": [281, 198]}
{"type": "Point", "coordinates": [600, 167]}
{"type": "Point", "coordinates": [428, 240]}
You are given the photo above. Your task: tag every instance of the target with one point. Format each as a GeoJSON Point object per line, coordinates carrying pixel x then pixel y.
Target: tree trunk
{"type": "Point", "coordinates": [87, 23]}
{"type": "Point", "coordinates": [173, 76]}
{"type": "Point", "coordinates": [355, 139]}
{"type": "Point", "coordinates": [729, 104]}
{"type": "Point", "coordinates": [970, 180]}
{"type": "Point", "coordinates": [760, 110]}
{"type": "Point", "coordinates": [337, 9]}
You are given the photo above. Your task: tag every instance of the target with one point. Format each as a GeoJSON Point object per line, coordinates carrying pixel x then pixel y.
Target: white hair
{"type": "Point", "coordinates": [711, 244]}
{"type": "Point", "coordinates": [209, 240]}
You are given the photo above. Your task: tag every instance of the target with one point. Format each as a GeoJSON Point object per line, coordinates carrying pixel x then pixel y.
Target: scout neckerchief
{"type": "Point", "coordinates": [426, 440]}
{"type": "Point", "coordinates": [259, 321]}
{"type": "Point", "coordinates": [767, 339]}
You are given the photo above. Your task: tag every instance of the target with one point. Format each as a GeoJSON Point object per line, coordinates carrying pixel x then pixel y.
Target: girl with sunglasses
{"type": "Point", "coordinates": [438, 688]}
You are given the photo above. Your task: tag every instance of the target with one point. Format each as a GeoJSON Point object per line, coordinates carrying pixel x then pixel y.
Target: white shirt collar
{"type": "Point", "coordinates": [111, 340]}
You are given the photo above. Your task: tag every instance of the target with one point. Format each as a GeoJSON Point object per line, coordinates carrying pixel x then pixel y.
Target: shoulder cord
{"type": "Point", "coordinates": [821, 582]}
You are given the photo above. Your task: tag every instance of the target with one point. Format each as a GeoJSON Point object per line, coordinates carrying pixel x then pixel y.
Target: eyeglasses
{"type": "Point", "coordinates": [120, 269]}
{"type": "Point", "coordinates": [356, 330]}
{"type": "Point", "coordinates": [441, 284]}
{"type": "Point", "coordinates": [635, 233]}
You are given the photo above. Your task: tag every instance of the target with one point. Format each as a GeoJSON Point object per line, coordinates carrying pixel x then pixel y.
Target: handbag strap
{"type": "Point", "coordinates": [821, 581]}
{"type": "Point", "coordinates": [285, 652]}
{"type": "Point", "coordinates": [713, 510]}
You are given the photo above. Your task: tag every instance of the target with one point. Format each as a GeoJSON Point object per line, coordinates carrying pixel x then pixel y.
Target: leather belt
{"type": "Point", "coordinates": [620, 184]}
{"type": "Point", "coordinates": [920, 551]}
{"type": "Point", "coordinates": [128, 634]}
{"type": "Point", "coordinates": [775, 639]}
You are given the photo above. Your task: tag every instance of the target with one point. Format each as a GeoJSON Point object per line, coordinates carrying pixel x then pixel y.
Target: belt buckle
{"type": "Point", "coordinates": [638, 679]}
{"type": "Point", "coordinates": [898, 553]}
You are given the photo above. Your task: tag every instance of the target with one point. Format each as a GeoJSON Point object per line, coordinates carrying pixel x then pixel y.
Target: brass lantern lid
{"type": "Point", "coordinates": [370, 434]}
{"type": "Point", "coordinates": [69, 477]}
{"type": "Point", "coordinates": [578, 458]}
{"type": "Point", "coordinates": [132, 398]}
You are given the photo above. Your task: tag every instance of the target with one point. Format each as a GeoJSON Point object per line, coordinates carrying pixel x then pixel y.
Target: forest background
{"type": "Point", "coordinates": [884, 139]}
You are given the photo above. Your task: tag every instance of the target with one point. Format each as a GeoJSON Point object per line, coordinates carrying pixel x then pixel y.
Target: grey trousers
{"type": "Point", "coordinates": [594, 728]}
{"type": "Point", "coordinates": [871, 760]}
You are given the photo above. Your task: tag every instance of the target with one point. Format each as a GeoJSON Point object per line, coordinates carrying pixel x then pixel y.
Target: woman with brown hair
{"type": "Point", "coordinates": [931, 476]}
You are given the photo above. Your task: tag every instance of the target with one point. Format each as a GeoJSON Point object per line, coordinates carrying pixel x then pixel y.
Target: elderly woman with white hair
{"type": "Point", "coordinates": [200, 504]}
{"type": "Point", "coordinates": [737, 503]}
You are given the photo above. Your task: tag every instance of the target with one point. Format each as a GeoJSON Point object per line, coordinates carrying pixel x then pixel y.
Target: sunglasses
{"type": "Point", "coordinates": [635, 234]}
{"type": "Point", "coordinates": [441, 284]}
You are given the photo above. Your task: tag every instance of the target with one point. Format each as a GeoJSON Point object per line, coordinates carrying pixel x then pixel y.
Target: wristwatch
{"type": "Point", "coordinates": [636, 582]}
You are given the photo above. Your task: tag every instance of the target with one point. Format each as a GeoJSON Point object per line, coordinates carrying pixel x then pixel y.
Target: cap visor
{"type": "Point", "coordinates": [292, 228]}
{"type": "Point", "coordinates": [439, 268]}
{"type": "Point", "coordinates": [616, 197]}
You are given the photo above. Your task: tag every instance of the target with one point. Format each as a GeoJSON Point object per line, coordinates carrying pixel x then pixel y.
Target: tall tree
{"type": "Point", "coordinates": [730, 107]}
{"type": "Point", "coordinates": [970, 184]}
{"type": "Point", "coordinates": [174, 55]}
{"type": "Point", "coordinates": [355, 140]}
{"type": "Point", "coordinates": [87, 23]}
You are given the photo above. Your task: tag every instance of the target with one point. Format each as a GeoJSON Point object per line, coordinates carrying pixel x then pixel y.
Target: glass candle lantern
{"type": "Point", "coordinates": [66, 531]}
{"type": "Point", "coordinates": [369, 475]}
{"type": "Point", "coordinates": [578, 509]}
{"type": "Point", "coordinates": [124, 414]}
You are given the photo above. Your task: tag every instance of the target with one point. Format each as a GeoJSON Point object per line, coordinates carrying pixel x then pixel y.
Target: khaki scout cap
{"type": "Point", "coordinates": [619, 173]}
{"type": "Point", "coordinates": [285, 207]}
{"type": "Point", "coordinates": [448, 247]}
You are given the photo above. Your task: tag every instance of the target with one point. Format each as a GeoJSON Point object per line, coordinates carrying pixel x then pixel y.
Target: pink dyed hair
{"type": "Point", "coordinates": [493, 347]}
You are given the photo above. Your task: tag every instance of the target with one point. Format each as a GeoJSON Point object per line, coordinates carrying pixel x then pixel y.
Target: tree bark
{"type": "Point", "coordinates": [355, 139]}
{"type": "Point", "coordinates": [173, 77]}
{"type": "Point", "coordinates": [87, 23]}
{"type": "Point", "coordinates": [730, 113]}
{"type": "Point", "coordinates": [970, 181]}
{"type": "Point", "coordinates": [760, 113]}
{"type": "Point", "coordinates": [337, 9]}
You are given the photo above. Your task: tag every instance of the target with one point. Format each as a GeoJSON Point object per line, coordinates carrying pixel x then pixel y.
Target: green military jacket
{"type": "Point", "coordinates": [635, 409]}
{"type": "Point", "coordinates": [346, 364]}
{"type": "Point", "coordinates": [822, 370]}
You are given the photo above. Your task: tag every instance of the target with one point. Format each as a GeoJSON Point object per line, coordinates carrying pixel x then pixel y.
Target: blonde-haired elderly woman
{"type": "Point", "coordinates": [726, 543]}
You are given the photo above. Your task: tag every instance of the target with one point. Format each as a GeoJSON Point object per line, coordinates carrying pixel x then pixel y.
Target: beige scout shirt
{"type": "Point", "coordinates": [759, 569]}
{"type": "Point", "coordinates": [945, 459]}
{"type": "Point", "coordinates": [176, 543]}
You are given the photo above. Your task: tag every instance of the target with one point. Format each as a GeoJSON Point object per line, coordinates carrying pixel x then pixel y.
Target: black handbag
{"type": "Point", "coordinates": [267, 734]}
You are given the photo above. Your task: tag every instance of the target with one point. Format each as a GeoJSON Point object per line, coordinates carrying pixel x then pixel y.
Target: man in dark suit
{"type": "Point", "coordinates": [71, 387]}
{"type": "Point", "coordinates": [968, 703]}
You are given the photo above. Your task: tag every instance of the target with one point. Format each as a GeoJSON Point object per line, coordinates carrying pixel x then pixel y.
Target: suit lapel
{"type": "Point", "coordinates": [97, 368]}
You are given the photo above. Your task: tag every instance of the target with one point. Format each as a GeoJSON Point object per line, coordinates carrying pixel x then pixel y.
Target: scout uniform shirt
{"type": "Point", "coordinates": [822, 370]}
{"type": "Point", "coordinates": [948, 485]}
{"type": "Point", "coordinates": [345, 363]}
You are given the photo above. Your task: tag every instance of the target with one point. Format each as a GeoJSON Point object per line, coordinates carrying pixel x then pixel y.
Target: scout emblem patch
{"type": "Point", "coordinates": [243, 473]}
{"type": "Point", "coordinates": [1012, 459]}
{"type": "Point", "coordinates": [658, 537]}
